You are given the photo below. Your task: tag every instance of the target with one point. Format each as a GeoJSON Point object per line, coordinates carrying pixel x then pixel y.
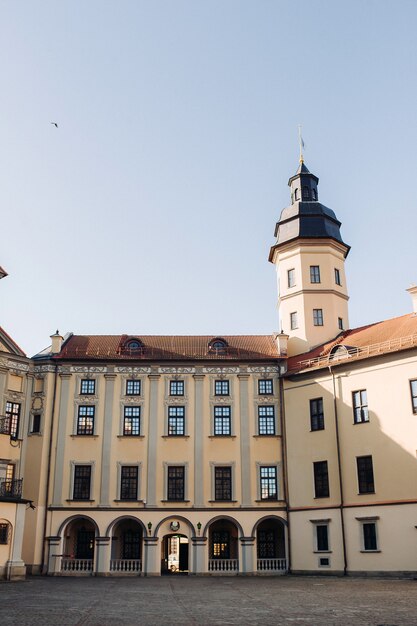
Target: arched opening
{"type": "Point", "coordinates": [223, 546]}
{"type": "Point", "coordinates": [79, 540]}
{"type": "Point", "coordinates": [270, 546]}
{"type": "Point", "coordinates": [126, 547]}
{"type": "Point", "coordinates": [174, 554]}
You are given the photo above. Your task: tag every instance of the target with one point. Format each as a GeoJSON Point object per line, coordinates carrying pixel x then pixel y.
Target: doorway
{"type": "Point", "coordinates": [174, 557]}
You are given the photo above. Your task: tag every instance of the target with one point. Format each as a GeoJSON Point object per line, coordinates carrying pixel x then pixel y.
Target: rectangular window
{"type": "Point", "coordinates": [318, 317]}
{"type": "Point", "coordinates": [133, 387]}
{"type": "Point", "coordinates": [337, 276]}
{"type": "Point", "coordinates": [369, 536]}
{"type": "Point", "coordinates": [4, 533]}
{"type": "Point", "coordinates": [316, 414]}
{"type": "Point", "coordinates": [85, 422]}
{"type": "Point", "coordinates": [293, 320]}
{"type": "Point", "coordinates": [221, 387]}
{"type": "Point", "coordinates": [268, 478]}
{"type": "Point", "coordinates": [176, 420]}
{"type": "Point", "coordinates": [176, 482]}
{"type": "Point", "coordinates": [131, 421]}
{"type": "Point", "coordinates": [265, 387]}
{"type": "Point", "coordinates": [36, 423]}
{"type": "Point", "coordinates": [82, 482]}
{"type": "Point", "coordinates": [129, 482]}
{"type": "Point", "coordinates": [365, 474]}
{"type": "Point", "coordinates": [266, 420]}
{"type": "Point", "coordinates": [223, 483]}
{"type": "Point", "coordinates": [176, 387]}
{"type": "Point", "coordinates": [360, 407]}
{"type": "Point", "coordinates": [88, 386]}
{"type": "Point", "coordinates": [291, 277]}
{"type": "Point", "coordinates": [321, 479]}
{"type": "Point", "coordinates": [314, 273]}
{"type": "Point", "coordinates": [222, 420]}
{"type": "Point", "coordinates": [322, 537]}
{"type": "Point", "coordinates": [340, 323]}
{"type": "Point", "coordinates": [13, 413]}
{"type": "Point", "coordinates": [413, 387]}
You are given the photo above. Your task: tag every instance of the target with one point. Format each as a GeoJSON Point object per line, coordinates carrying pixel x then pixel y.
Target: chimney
{"type": "Point", "coordinates": [56, 342]}
{"type": "Point", "coordinates": [413, 293]}
{"type": "Point", "coordinates": [282, 343]}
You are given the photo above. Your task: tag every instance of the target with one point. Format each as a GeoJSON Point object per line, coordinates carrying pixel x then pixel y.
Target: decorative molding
{"type": "Point", "coordinates": [44, 368]}
{"type": "Point", "coordinates": [176, 370]}
{"type": "Point", "coordinates": [132, 370]}
{"type": "Point", "coordinates": [94, 369]}
{"type": "Point", "coordinates": [263, 369]}
{"type": "Point", "coordinates": [20, 367]}
{"type": "Point", "coordinates": [221, 370]}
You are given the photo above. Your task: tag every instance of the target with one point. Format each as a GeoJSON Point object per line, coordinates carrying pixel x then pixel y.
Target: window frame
{"type": "Point", "coordinates": [265, 382]}
{"type": "Point", "coordinates": [76, 496]}
{"type": "Point", "coordinates": [291, 278]}
{"type": "Point", "coordinates": [88, 430]}
{"type": "Point", "coordinates": [87, 386]}
{"type": "Point", "coordinates": [315, 278]}
{"type": "Point", "coordinates": [227, 477]}
{"type": "Point", "coordinates": [361, 409]}
{"type": "Point", "coordinates": [294, 320]}
{"type": "Point", "coordinates": [134, 479]}
{"type": "Point", "coordinates": [266, 482]}
{"type": "Point", "coordinates": [177, 387]}
{"type": "Point", "coordinates": [223, 420]}
{"type": "Point", "coordinates": [413, 395]}
{"type": "Point", "coordinates": [265, 421]}
{"type": "Point", "coordinates": [4, 533]}
{"type": "Point", "coordinates": [169, 478]}
{"type": "Point", "coordinates": [176, 421]}
{"type": "Point", "coordinates": [318, 318]}
{"type": "Point", "coordinates": [366, 484]}
{"type": "Point", "coordinates": [131, 383]}
{"type": "Point", "coordinates": [318, 539]}
{"type": "Point", "coordinates": [317, 416]}
{"type": "Point", "coordinates": [14, 414]}
{"type": "Point", "coordinates": [321, 479]}
{"type": "Point", "coordinates": [337, 277]}
{"type": "Point", "coordinates": [133, 418]}
{"type": "Point", "coordinates": [222, 383]}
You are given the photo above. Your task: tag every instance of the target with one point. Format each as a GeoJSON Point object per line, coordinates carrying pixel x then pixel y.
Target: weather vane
{"type": "Point", "coordinates": [301, 143]}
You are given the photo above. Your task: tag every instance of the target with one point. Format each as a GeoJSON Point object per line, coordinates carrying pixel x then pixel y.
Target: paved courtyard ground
{"type": "Point", "coordinates": [208, 601]}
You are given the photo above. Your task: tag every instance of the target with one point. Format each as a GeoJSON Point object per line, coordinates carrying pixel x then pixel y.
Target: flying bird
{"type": "Point", "coordinates": [55, 124]}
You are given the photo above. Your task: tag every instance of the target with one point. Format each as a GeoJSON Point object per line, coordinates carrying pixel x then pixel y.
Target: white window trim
{"type": "Point", "coordinates": [183, 405]}
{"type": "Point", "coordinates": [368, 520]}
{"type": "Point", "coordinates": [122, 416]}
{"type": "Point", "coordinates": [83, 401]}
{"type": "Point", "coordinates": [277, 465]}
{"type": "Point", "coordinates": [167, 464]}
{"type": "Point", "coordinates": [259, 404]}
{"type": "Point", "coordinates": [321, 522]}
{"type": "Point", "coordinates": [73, 464]}
{"type": "Point", "coordinates": [223, 404]}
{"type": "Point", "coordinates": [121, 464]}
{"type": "Point", "coordinates": [213, 465]}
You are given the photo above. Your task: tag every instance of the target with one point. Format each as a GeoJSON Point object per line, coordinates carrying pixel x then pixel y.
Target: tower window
{"type": "Point", "coordinates": [291, 277]}
{"type": "Point", "coordinates": [314, 273]}
{"type": "Point", "coordinates": [306, 193]}
{"type": "Point", "coordinates": [337, 276]}
{"type": "Point", "coordinates": [294, 320]}
{"type": "Point", "coordinates": [314, 194]}
{"type": "Point", "coordinates": [318, 317]}
{"type": "Point", "coordinates": [340, 322]}
{"type": "Point", "coordinates": [296, 194]}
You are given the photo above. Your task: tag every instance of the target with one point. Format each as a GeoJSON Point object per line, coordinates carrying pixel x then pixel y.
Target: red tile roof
{"type": "Point", "coordinates": [169, 347]}
{"type": "Point", "coordinates": [393, 335]}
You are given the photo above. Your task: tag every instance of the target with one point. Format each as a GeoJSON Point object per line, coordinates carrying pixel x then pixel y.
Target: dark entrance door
{"type": "Point", "coordinates": [183, 557]}
{"type": "Point", "coordinates": [85, 544]}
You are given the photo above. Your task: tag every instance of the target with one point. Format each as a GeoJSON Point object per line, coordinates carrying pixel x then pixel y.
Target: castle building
{"type": "Point", "coordinates": [222, 455]}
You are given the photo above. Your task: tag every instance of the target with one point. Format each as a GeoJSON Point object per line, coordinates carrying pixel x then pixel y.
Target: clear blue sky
{"type": "Point", "coordinates": [151, 209]}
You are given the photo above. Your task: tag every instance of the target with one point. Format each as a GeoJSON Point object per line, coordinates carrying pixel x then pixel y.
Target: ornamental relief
{"type": "Point", "coordinates": [221, 370]}
{"type": "Point", "coordinates": [64, 369]}
{"type": "Point", "coordinates": [135, 400]}
{"type": "Point", "coordinates": [175, 400]}
{"type": "Point", "coordinates": [261, 369]}
{"type": "Point", "coordinates": [37, 403]}
{"type": "Point", "coordinates": [176, 370]}
{"type": "Point", "coordinates": [44, 368]}
{"type": "Point", "coordinates": [88, 369]}
{"type": "Point", "coordinates": [17, 367]}
{"type": "Point", "coordinates": [132, 370]}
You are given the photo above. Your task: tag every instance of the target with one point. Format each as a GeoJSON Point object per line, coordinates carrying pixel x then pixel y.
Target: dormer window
{"type": "Point", "coordinates": [218, 345]}
{"type": "Point", "coordinates": [133, 345]}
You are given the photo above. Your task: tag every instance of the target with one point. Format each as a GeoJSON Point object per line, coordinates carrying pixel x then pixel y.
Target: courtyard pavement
{"type": "Point", "coordinates": [208, 601]}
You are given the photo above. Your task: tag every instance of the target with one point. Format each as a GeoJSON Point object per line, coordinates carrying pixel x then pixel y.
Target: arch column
{"type": "Point", "coordinates": [151, 563]}
{"type": "Point", "coordinates": [54, 555]}
{"type": "Point", "coordinates": [247, 565]}
{"type": "Point", "coordinates": [199, 555]}
{"type": "Point", "coordinates": [15, 567]}
{"type": "Point", "coordinates": [102, 556]}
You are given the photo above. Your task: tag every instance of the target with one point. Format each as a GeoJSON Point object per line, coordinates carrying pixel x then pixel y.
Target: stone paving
{"type": "Point", "coordinates": [207, 601]}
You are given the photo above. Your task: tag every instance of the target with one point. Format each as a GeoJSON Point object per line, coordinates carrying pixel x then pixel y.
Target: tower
{"type": "Point", "coordinates": [309, 255]}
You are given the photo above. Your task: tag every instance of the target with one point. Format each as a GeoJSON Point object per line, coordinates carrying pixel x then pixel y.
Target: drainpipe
{"type": "Point", "coordinates": [342, 500]}
{"type": "Point", "coordinates": [285, 466]}
{"type": "Point", "coordinates": [48, 473]}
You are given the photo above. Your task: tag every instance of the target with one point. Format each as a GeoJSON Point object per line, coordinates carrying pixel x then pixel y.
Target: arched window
{"type": "Point", "coordinates": [306, 193]}
{"type": "Point", "coordinates": [296, 193]}
{"type": "Point", "coordinates": [218, 345]}
{"type": "Point", "coordinates": [314, 194]}
{"type": "Point", "coordinates": [133, 345]}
